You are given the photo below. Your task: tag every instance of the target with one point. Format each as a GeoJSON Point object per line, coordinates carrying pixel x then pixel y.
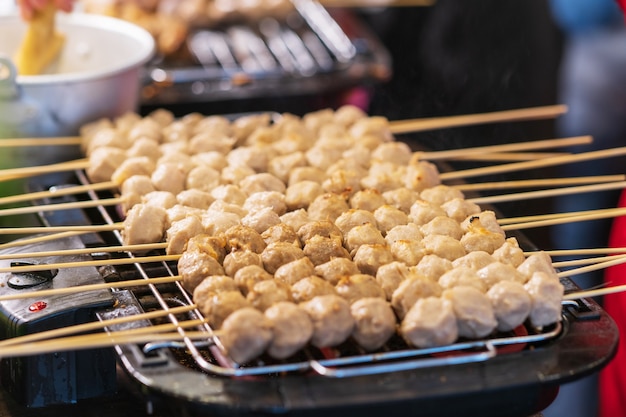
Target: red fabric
{"type": "Point", "coordinates": [612, 382]}
{"type": "Point", "coordinates": [622, 4]}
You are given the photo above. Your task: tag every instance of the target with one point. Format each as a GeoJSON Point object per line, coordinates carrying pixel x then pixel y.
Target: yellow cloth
{"type": "Point", "coordinates": [41, 45]}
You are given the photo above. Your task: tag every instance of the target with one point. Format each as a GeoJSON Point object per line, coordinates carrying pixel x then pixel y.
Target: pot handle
{"type": "Point", "coordinates": [8, 74]}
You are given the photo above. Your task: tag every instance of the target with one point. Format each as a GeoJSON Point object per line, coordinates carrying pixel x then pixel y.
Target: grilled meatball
{"type": "Point", "coordinates": [368, 258]}
{"type": "Point", "coordinates": [138, 184]}
{"type": "Point", "coordinates": [546, 293]}
{"type": "Point", "coordinates": [395, 152]}
{"type": "Point", "coordinates": [262, 199]}
{"type": "Point", "coordinates": [261, 220]}
{"type": "Point", "coordinates": [261, 182]}
{"type": "Point", "coordinates": [430, 322]}
{"type": "Point", "coordinates": [440, 194]}
{"type": "Point", "coordinates": [442, 225]}
{"type": "Point", "coordinates": [240, 237]}
{"type": "Point", "coordinates": [498, 271]}
{"type": "Point", "coordinates": [332, 320]}
{"type": "Point", "coordinates": [344, 182]}
{"type": "Point", "coordinates": [475, 260]}
{"type": "Point", "coordinates": [388, 217]}
{"type": "Point", "coordinates": [212, 284]}
{"type": "Point", "coordinates": [216, 306]}
{"type": "Point", "coordinates": [510, 253]}
{"type": "Point", "coordinates": [459, 209]}
{"type": "Point", "coordinates": [310, 287]}
{"type": "Point", "coordinates": [212, 245]}
{"type": "Point", "coordinates": [443, 246]}
{"type": "Point", "coordinates": [336, 268]}
{"type": "Point", "coordinates": [229, 193]}
{"type": "Point", "coordinates": [323, 228]}
{"type": "Point", "coordinates": [354, 217]}
{"type": "Point", "coordinates": [481, 239]}
{"type": "Point", "coordinates": [384, 176]}
{"type": "Point", "coordinates": [410, 290]}
{"type": "Point", "coordinates": [368, 199]}
{"type": "Point", "coordinates": [292, 329]}
{"type": "Point", "coordinates": [401, 198]}
{"type": "Point", "coordinates": [103, 162]}
{"type": "Point", "coordinates": [363, 235]}
{"type": "Point", "coordinates": [327, 206]}
{"type": "Point", "coordinates": [144, 224]}
{"type": "Point", "coordinates": [357, 286]}
{"type": "Point", "coordinates": [257, 158]}
{"type": "Point", "coordinates": [162, 199]}
{"type": "Point", "coordinates": [433, 266]}
{"type": "Point", "coordinates": [301, 194]}
{"type": "Point", "coordinates": [266, 293]}
{"type": "Point", "coordinates": [279, 253]}
{"type": "Point", "coordinates": [248, 276]}
{"type": "Point", "coordinates": [179, 233]}
{"type": "Point", "coordinates": [169, 176]}
{"type": "Point", "coordinates": [421, 175]}
{"type": "Point", "coordinates": [374, 322]}
{"type": "Point", "coordinates": [511, 304]}
{"type": "Point", "coordinates": [195, 198]}
{"type": "Point", "coordinates": [234, 174]}
{"type": "Point", "coordinates": [178, 212]}
{"type": "Point", "coordinates": [537, 262]}
{"type": "Point", "coordinates": [294, 271]}
{"type": "Point", "coordinates": [237, 259]}
{"type": "Point", "coordinates": [136, 165]}
{"type": "Point", "coordinates": [389, 277]}
{"type": "Point", "coordinates": [321, 249]}
{"type": "Point", "coordinates": [308, 173]}
{"type": "Point", "coordinates": [195, 266]}
{"type": "Point", "coordinates": [296, 219]}
{"type": "Point", "coordinates": [421, 212]}
{"type": "Point", "coordinates": [473, 311]}
{"type": "Point", "coordinates": [246, 334]}
{"type": "Point", "coordinates": [282, 165]}
{"type": "Point", "coordinates": [210, 159]}
{"type": "Point", "coordinates": [410, 252]}
{"type": "Point", "coordinates": [462, 275]}
{"type": "Point", "coordinates": [203, 178]}
{"type": "Point", "coordinates": [281, 232]}
{"type": "Point", "coordinates": [410, 231]}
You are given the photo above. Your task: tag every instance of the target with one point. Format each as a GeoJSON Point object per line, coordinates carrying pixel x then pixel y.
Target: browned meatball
{"type": "Point", "coordinates": [332, 320]}
{"type": "Point", "coordinates": [368, 258]}
{"type": "Point", "coordinates": [327, 206]}
{"type": "Point", "coordinates": [212, 284]}
{"type": "Point", "coordinates": [237, 259]}
{"type": "Point", "coordinates": [294, 271]}
{"type": "Point", "coordinates": [268, 292]}
{"type": "Point", "coordinates": [213, 245]}
{"type": "Point", "coordinates": [242, 237]}
{"type": "Point", "coordinates": [375, 322]}
{"type": "Point", "coordinates": [429, 323]}
{"type": "Point", "coordinates": [195, 266]}
{"type": "Point", "coordinates": [323, 228]}
{"type": "Point", "coordinates": [333, 270]}
{"type": "Point", "coordinates": [216, 306]}
{"type": "Point", "coordinates": [246, 334]}
{"type": "Point", "coordinates": [322, 249]}
{"type": "Point", "coordinates": [292, 329]}
{"type": "Point", "coordinates": [281, 232]}
{"type": "Point", "coordinates": [355, 287]}
{"type": "Point", "coordinates": [279, 253]}
{"type": "Point", "coordinates": [247, 277]}
{"type": "Point", "coordinates": [412, 289]}
{"type": "Point", "coordinates": [310, 287]}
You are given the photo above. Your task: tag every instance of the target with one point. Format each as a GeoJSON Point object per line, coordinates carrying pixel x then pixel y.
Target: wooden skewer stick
{"type": "Point", "coordinates": [578, 252]}
{"type": "Point", "coordinates": [90, 287]}
{"type": "Point", "coordinates": [91, 250]}
{"type": "Point", "coordinates": [93, 341]}
{"type": "Point", "coordinates": [594, 293]}
{"type": "Point", "coordinates": [601, 214]}
{"type": "Point", "coordinates": [57, 192]}
{"type": "Point", "coordinates": [583, 261]}
{"type": "Point", "coordinates": [57, 229]}
{"type": "Point", "coordinates": [509, 156]}
{"type": "Point", "coordinates": [40, 239]}
{"type": "Point", "coordinates": [547, 193]}
{"type": "Point", "coordinates": [61, 206]}
{"type": "Point", "coordinates": [96, 325]}
{"type": "Point", "coordinates": [15, 173]}
{"type": "Point", "coordinates": [507, 147]}
{"type": "Point", "coordinates": [27, 142]}
{"type": "Point", "coordinates": [552, 216]}
{"type": "Point", "coordinates": [377, 3]}
{"type": "Point", "coordinates": [99, 262]}
{"type": "Point", "coordinates": [422, 124]}
{"type": "Point", "coordinates": [616, 260]}
{"type": "Point", "coordinates": [496, 185]}
{"type": "Point", "coordinates": [519, 166]}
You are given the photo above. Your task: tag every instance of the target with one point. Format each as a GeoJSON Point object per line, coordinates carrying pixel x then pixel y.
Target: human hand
{"type": "Point", "coordinates": [29, 7]}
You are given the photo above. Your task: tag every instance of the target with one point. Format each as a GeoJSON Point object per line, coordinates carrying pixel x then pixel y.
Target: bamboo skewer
{"type": "Point", "coordinates": [497, 185]}
{"type": "Point", "coordinates": [61, 206]}
{"type": "Point", "coordinates": [15, 173]}
{"type": "Point", "coordinates": [507, 147]}
{"type": "Point", "coordinates": [532, 113]}
{"type": "Point", "coordinates": [40, 239]}
{"type": "Point", "coordinates": [99, 262]}
{"type": "Point", "coordinates": [86, 251]}
{"type": "Point", "coordinates": [57, 229]}
{"type": "Point", "coordinates": [575, 252]}
{"type": "Point", "coordinates": [548, 193]}
{"type": "Point", "coordinates": [57, 192]}
{"type": "Point", "coordinates": [616, 260]}
{"type": "Point", "coordinates": [509, 156]}
{"type": "Point", "coordinates": [36, 142]}
{"type": "Point", "coordinates": [551, 216]}
{"type": "Point", "coordinates": [519, 166]}
{"type": "Point", "coordinates": [566, 219]}
{"type": "Point", "coordinates": [91, 326]}
{"type": "Point", "coordinates": [583, 261]}
{"type": "Point", "coordinates": [594, 293]}
{"type": "Point", "coordinates": [90, 287]}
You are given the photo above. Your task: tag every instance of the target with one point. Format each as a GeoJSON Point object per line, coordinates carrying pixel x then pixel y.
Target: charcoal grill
{"type": "Point", "coordinates": [311, 51]}
{"type": "Point", "coordinates": [518, 372]}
